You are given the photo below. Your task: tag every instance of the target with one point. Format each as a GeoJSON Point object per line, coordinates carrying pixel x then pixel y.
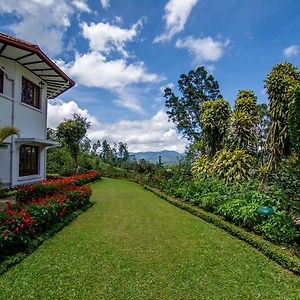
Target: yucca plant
{"type": "Point", "coordinates": [6, 132]}
{"type": "Point", "coordinates": [280, 84]}
{"type": "Point", "coordinates": [244, 121]}
{"type": "Point", "coordinates": [215, 123]}
{"type": "Point", "coordinates": [201, 166]}
{"type": "Point", "coordinates": [233, 165]}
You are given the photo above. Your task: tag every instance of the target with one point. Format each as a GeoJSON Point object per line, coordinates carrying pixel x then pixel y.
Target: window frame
{"type": "Point", "coordinates": [31, 161]}
{"type": "Point", "coordinates": [33, 93]}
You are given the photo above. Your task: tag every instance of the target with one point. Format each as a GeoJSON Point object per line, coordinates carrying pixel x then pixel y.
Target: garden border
{"type": "Point", "coordinates": [11, 261]}
{"type": "Point", "coordinates": [269, 249]}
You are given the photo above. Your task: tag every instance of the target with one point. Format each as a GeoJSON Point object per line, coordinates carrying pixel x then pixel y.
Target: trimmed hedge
{"type": "Point", "coordinates": [11, 260]}
{"type": "Point", "coordinates": [45, 188]}
{"type": "Point", "coordinates": [270, 250]}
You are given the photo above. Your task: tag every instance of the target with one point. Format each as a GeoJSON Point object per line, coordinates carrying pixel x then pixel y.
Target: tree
{"type": "Point", "coordinates": [243, 131]}
{"type": "Point", "coordinates": [123, 151]}
{"type": "Point", "coordinates": [196, 87]}
{"type": "Point", "coordinates": [263, 125]}
{"type": "Point", "coordinates": [294, 120]}
{"type": "Point", "coordinates": [6, 132]}
{"type": "Point", "coordinates": [280, 84]}
{"type": "Point", "coordinates": [72, 132]}
{"type": "Point", "coordinates": [215, 123]}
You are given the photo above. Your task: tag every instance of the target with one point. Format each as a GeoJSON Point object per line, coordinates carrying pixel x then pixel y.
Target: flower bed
{"type": "Point", "coordinates": [39, 206]}
{"type": "Point", "coordinates": [28, 193]}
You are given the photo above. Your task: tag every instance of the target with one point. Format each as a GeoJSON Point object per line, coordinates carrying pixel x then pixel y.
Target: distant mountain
{"type": "Point", "coordinates": [167, 157]}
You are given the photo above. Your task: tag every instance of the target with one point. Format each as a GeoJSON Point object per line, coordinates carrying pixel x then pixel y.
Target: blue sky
{"type": "Point", "coordinates": [123, 53]}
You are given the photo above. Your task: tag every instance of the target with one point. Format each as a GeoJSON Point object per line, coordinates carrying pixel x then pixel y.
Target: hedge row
{"type": "Point", "coordinates": [272, 251]}
{"type": "Point", "coordinates": [11, 260]}
{"type": "Point", "coordinates": [20, 224]}
{"type": "Point", "coordinates": [29, 193]}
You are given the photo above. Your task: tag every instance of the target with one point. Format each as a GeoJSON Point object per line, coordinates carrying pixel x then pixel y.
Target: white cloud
{"type": "Point", "coordinates": [104, 37]}
{"type": "Point", "coordinates": [93, 70]}
{"type": "Point", "coordinates": [81, 5]}
{"type": "Point", "coordinates": [105, 4]}
{"type": "Point", "coordinates": [130, 99]}
{"type": "Point", "coordinates": [176, 15]}
{"type": "Point", "coordinates": [162, 88]}
{"type": "Point", "coordinates": [291, 51]}
{"type": "Point", "coordinates": [152, 134]}
{"type": "Point", "coordinates": [40, 21]}
{"type": "Point", "coordinates": [203, 50]}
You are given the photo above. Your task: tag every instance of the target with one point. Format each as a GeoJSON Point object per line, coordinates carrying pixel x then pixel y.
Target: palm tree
{"type": "Point", "coordinates": [6, 132]}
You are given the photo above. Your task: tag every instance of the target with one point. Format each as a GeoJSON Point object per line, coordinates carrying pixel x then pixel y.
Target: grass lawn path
{"type": "Point", "coordinates": [133, 245]}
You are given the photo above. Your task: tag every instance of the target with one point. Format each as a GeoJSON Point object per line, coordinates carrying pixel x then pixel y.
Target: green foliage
{"type": "Point", "coordinates": [280, 84]}
{"type": "Point", "coordinates": [201, 166]}
{"type": "Point", "coordinates": [294, 119]}
{"type": "Point", "coordinates": [279, 228]}
{"type": "Point", "coordinates": [6, 132]}
{"type": "Point", "coordinates": [243, 133]}
{"type": "Point", "coordinates": [233, 165]}
{"type": "Point", "coordinates": [215, 122]}
{"type": "Point", "coordinates": [59, 161]}
{"type": "Point", "coordinates": [72, 133]}
{"type": "Point", "coordinates": [196, 87]}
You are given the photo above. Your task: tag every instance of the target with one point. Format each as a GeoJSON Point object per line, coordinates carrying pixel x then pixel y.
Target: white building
{"type": "Point", "coordinates": [27, 79]}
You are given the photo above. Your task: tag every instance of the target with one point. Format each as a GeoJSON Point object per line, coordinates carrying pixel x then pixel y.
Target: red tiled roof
{"type": "Point", "coordinates": [29, 47]}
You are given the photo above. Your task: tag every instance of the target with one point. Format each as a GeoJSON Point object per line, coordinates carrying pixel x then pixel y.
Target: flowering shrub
{"type": "Point", "coordinates": [28, 193]}
{"type": "Point", "coordinates": [40, 206]}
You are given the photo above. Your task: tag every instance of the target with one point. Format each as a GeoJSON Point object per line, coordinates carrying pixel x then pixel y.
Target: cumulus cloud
{"type": "Point", "coordinates": [176, 15]}
{"type": "Point", "coordinates": [152, 134]}
{"type": "Point", "coordinates": [290, 51]}
{"type": "Point", "coordinates": [168, 85]}
{"type": "Point", "coordinates": [104, 37]}
{"type": "Point", "coordinates": [40, 21]}
{"type": "Point", "coordinates": [105, 4]}
{"type": "Point", "coordinates": [203, 50]}
{"type": "Point", "coordinates": [81, 5]}
{"type": "Point", "coordinates": [93, 70]}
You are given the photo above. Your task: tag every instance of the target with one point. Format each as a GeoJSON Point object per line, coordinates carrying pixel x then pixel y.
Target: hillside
{"type": "Point", "coordinates": [167, 157]}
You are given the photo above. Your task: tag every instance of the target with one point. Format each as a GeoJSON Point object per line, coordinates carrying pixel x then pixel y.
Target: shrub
{"type": "Point", "coordinates": [279, 228]}
{"type": "Point", "coordinates": [211, 201]}
{"type": "Point", "coordinates": [20, 224]}
{"type": "Point", "coordinates": [233, 165]}
{"type": "Point", "coordinates": [45, 188]}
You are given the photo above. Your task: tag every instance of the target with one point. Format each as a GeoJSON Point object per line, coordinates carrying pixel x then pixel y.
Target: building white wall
{"type": "Point", "coordinates": [29, 120]}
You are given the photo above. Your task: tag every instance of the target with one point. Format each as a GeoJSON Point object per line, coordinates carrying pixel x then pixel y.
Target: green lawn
{"type": "Point", "coordinates": [133, 245]}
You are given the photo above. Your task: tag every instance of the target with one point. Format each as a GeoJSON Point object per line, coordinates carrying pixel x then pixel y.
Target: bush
{"type": "Point", "coordinates": [45, 188]}
{"type": "Point", "coordinates": [20, 224]}
{"type": "Point", "coordinates": [279, 228]}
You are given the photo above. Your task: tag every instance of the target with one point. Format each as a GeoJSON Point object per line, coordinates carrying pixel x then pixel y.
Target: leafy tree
{"type": "Point", "coordinates": [215, 122]}
{"type": "Point", "coordinates": [196, 87]}
{"type": "Point", "coordinates": [263, 125]}
{"type": "Point", "coordinates": [72, 132]}
{"type": "Point", "coordinates": [294, 119]}
{"type": "Point", "coordinates": [243, 131]}
{"type": "Point", "coordinates": [280, 84]}
{"type": "Point", "coordinates": [6, 132]}
{"type": "Point", "coordinates": [123, 151]}
{"type": "Point", "coordinates": [51, 134]}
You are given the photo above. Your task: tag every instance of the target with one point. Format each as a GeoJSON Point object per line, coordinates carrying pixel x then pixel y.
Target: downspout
{"type": "Point", "coordinates": [12, 125]}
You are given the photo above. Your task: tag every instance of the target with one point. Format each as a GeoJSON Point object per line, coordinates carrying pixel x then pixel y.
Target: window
{"type": "Point", "coordinates": [1, 81]}
{"type": "Point", "coordinates": [30, 93]}
{"type": "Point", "coordinates": [29, 160]}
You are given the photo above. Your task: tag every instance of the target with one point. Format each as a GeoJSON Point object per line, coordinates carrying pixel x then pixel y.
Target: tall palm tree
{"type": "Point", "coordinates": [6, 132]}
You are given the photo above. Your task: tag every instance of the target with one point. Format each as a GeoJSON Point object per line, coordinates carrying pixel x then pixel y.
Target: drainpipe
{"type": "Point", "coordinates": [12, 125]}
